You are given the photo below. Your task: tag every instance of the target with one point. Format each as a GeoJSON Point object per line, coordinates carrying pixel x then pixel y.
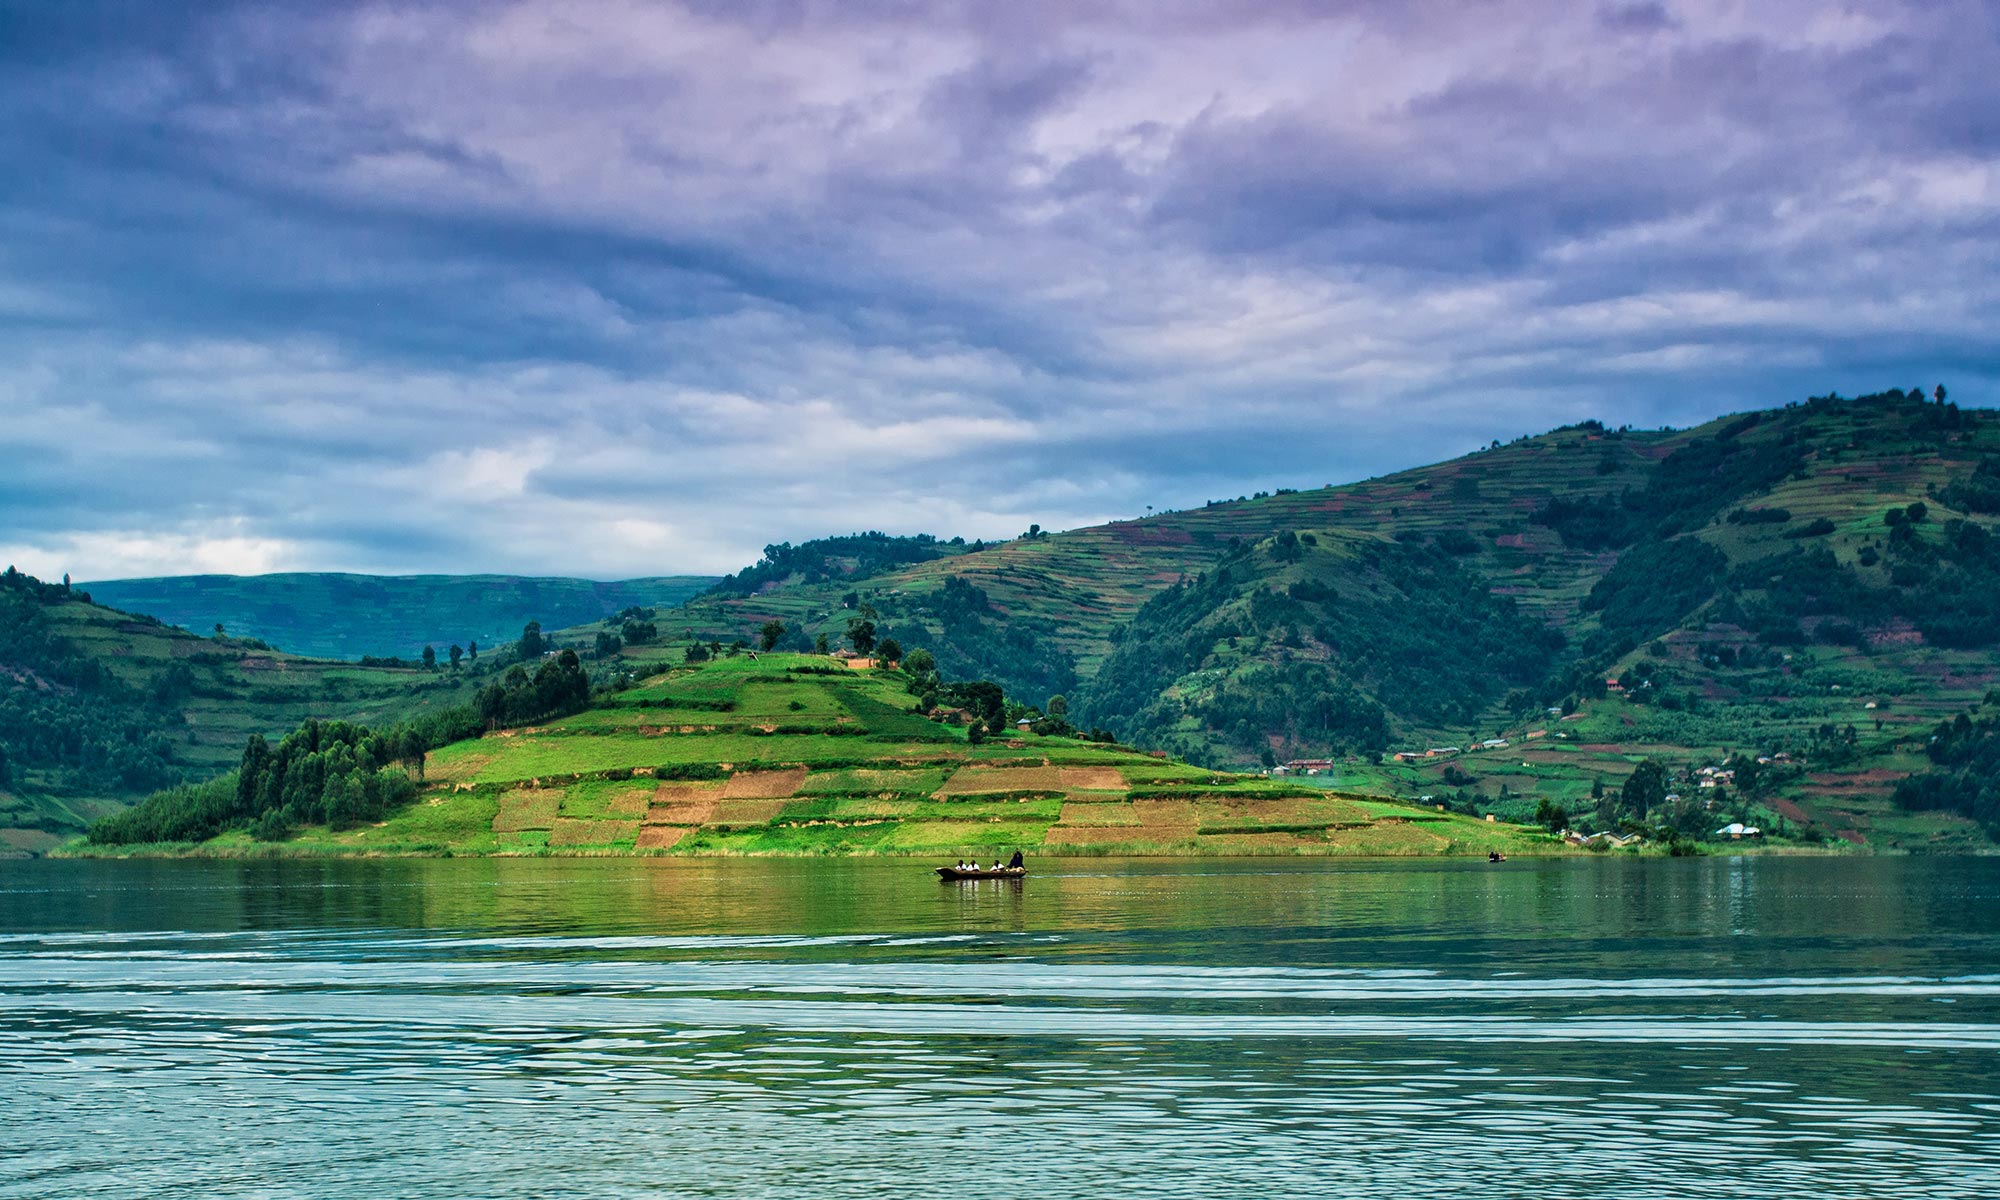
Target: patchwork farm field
{"type": "Point", "coordinates": [785, 755]}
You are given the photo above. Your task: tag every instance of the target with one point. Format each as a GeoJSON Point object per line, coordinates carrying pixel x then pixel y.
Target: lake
{"type": "Point", "coordinates": [1713, 1027]}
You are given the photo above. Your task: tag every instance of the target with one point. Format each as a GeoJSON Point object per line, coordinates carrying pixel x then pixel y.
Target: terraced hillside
{"type": "Point", "coordinates": [1762, 579]}
{"type": "Point", "coordinates": [795, 754]}
{"type": "Point", "coordinates": [331, 615]}
{"type": "Point", "coordinates": [99, 707]}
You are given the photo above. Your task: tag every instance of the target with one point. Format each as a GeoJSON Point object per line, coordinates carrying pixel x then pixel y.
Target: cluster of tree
{"type": "Point", "coordinates": [333, 773]}
{"type": "Point", "coordinates": [854, 556]}
{"type": "Point", "coordinates": [1649, 590]}
{"type": "Point", "coordinates": [1965, 773]}
{"type": "Point", "coordinates": [321, 773]}
{"type": "Point", "coordinates": [1398, 627]}
{"type": "Point", "coordinates": [1978, 492]}
{"type": "Point", "coordinates": [1685, 491]}
{"type": "Point", "coordinates": [1760, 516]}
{"type": "Point", "coordinates": [558, 688]}
{"type": "Point", "coordinates": [1947, 586]}
{"type": "Point", "coordinates": [970, 639]}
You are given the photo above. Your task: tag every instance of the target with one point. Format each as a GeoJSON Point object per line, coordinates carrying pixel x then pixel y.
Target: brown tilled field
{"type": "Point", "coordinates": [1105, 779]}
{"type": "Point", "coordinates": [661, 837]}
{"type": "Point", "coordinates": [1166, 814]}
{"type": "Point", "coordinates": [764, 785]}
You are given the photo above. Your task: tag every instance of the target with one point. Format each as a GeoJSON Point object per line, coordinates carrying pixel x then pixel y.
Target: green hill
{"type": "Point", "coordinates": [797, 754]}
{"type": "Point", "coordinates": [331, 615]}
{"type": "Point", "coordinates": [1763, 582]}
{"type": "Point", "coordinates": [99, 707]}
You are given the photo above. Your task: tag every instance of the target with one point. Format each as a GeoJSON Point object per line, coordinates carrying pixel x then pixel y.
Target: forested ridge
{"type": "Point", "coordinates": [64, 718]}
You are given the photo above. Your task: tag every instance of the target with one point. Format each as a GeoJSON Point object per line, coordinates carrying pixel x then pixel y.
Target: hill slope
{"type": "Point", "coordinates": [332, 615]}
{"type": "Point", "coordinates": [795, 754]}
{"type": "Point", "coordinates": [99, 707]}
{"type": "Point", "coordinates": [1763, 581]}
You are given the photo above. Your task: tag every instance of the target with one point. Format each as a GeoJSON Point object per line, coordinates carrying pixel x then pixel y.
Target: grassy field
{"type": "Point", "coordinates": [850, 770]}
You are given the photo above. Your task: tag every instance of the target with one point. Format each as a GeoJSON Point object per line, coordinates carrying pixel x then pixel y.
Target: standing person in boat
{"type": "Point", "coordinates": [1015, 863]}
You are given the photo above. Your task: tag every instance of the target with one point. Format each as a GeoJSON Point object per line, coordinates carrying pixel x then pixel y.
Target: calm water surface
{"type": "Point", "coordinates": [1590, 1028]}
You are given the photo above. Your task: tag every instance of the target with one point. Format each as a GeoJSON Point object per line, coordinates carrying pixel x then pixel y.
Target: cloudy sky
{"type": "Point", "coordinates": [610, 288]}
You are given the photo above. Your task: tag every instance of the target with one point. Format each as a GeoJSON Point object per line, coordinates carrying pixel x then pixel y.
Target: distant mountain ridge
{"type": "Point", "coordinates": [336, 615]}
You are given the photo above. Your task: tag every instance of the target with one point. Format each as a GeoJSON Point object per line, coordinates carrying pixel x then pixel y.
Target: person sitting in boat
{"type": "Point", "coordinates": [1015, 863]}
{"type": "Point", "coordinates": [996, 864]}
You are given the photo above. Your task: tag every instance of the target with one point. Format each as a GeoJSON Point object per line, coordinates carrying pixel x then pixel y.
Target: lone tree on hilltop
{"type": "Point", "coordinates": [430, 658]}
{"type": "Point", "coordinates": [532, 644]}
{"type": "Point", "coordinates": [889, 651]}
{"type": "Point", "coordinates": [769, 633]}
{"type": "Point", "coordinates": [457, 653]}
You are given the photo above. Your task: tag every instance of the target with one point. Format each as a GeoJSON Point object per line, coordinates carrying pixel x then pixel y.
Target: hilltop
{"type": "Point", "coordinates": [800, 754]}
{"type": "Point", "coordinates": [100, 707]}
{"type": "Point", "coordinates": [330, 615]}
{"type": "Point", "coordinates": [1813, 585]}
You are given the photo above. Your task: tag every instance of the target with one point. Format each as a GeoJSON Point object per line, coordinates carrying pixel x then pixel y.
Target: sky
{"type": "Point", "coordinates": [616, 289]}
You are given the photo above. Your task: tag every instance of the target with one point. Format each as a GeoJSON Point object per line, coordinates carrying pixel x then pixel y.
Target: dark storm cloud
{"type": "Point", "coordinates": [627, 288]}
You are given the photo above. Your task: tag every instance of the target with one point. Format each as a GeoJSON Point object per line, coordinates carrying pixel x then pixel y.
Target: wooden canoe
{"type": "Point", "coordinates": [982, 873]}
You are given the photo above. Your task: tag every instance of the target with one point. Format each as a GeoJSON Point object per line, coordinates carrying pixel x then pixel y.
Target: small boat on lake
{"type": "Point", "coordinates": [961, 873]}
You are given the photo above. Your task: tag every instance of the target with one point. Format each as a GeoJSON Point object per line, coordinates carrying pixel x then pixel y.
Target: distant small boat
{"type": "Point", "coordinates": [956, 873]}
{"type": "Point", "coordinates": [1494, 856]}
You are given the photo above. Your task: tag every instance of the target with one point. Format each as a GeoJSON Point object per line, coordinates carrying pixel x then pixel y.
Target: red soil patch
{"type": "Point", "coordinates": [1851, 835]}
{"type": "Point", "coordinates": [1512, 541]}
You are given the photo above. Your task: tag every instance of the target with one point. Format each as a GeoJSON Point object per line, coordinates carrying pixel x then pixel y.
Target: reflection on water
{"type": "Point", "coordinates": [1249, 1028]}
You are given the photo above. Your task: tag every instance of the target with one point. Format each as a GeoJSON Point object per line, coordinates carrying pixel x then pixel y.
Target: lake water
{"type": "Point", "coordinates": [1577, 1028]}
